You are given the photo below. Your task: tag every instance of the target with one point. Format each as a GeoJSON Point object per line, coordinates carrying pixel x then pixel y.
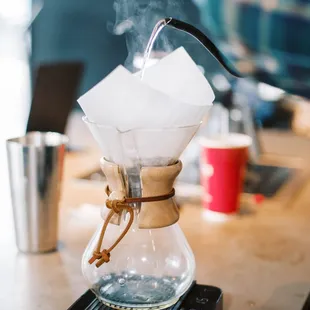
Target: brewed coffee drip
{"type": "Point", "coordinates": [193, 31]}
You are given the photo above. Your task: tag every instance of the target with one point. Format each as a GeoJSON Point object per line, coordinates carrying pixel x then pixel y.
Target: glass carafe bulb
{"type": "Point", "coordinates": [150, 268]}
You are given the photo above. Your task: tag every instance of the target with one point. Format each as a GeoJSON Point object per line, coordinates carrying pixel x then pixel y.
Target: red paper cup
{"type": "Point", "coordinates": [223, 162]}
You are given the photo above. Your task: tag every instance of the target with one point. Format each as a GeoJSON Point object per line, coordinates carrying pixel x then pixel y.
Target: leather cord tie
{"type": "Point", "coordinates": [117, 207]}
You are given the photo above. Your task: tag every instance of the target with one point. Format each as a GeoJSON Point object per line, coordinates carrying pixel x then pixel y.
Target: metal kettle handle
{"type": "Point", "coordinates": [204, 40]}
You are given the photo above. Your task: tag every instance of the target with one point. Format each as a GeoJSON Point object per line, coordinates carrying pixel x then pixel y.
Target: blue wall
{"type": "Point", "coordinates": [78, 30]}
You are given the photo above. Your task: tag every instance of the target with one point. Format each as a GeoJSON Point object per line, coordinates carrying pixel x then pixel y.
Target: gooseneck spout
{"type": "Point", "coordinates": [204, 40]}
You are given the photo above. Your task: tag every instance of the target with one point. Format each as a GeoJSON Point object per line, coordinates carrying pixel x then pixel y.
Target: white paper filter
{"type": "Point", "coordinates": [173, 93]}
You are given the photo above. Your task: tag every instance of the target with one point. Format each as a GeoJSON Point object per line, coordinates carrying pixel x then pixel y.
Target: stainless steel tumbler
{"type": "Point", "coordinates": [35, 167]}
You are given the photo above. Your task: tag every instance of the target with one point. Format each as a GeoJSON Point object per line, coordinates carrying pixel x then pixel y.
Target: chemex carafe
{"type": "Point", "coordinates": [139, 257]}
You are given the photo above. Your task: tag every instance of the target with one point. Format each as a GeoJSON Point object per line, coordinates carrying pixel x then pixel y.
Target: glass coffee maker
{"type": "Point", "coordinates": [139, 257]}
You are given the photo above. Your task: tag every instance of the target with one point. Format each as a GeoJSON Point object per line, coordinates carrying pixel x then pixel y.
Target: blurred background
{"type": "Point", "coordinates": [100, 35]}
{"type": "Point", "coordinates": [53, 51]}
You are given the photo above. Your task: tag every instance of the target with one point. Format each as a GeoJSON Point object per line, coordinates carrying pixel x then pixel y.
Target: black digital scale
{"type": "Point", "coordinates": [198, 297]}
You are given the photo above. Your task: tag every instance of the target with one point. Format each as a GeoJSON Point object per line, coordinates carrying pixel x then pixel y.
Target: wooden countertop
{"type": "Point", "coordinates": [261, 259]}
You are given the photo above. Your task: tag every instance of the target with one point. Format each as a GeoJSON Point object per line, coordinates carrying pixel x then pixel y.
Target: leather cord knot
{"type": "Point", "coordinates": [105, 258]}
{"type": "Point", "coordinates": [117, 206]}
{"type": "Point", "coordinates": [97, 255]}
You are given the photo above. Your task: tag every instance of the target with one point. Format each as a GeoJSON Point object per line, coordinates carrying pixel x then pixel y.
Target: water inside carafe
{"type": "Point", "coordinates": [131, 289]}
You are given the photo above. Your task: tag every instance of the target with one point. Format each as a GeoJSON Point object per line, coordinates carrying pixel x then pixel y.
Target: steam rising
{"type": "Point", "coordinates": [136, 18]}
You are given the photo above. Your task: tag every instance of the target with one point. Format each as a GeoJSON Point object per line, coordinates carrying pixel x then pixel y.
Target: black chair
{"type": "Point", "coordinates": [55, 92]}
